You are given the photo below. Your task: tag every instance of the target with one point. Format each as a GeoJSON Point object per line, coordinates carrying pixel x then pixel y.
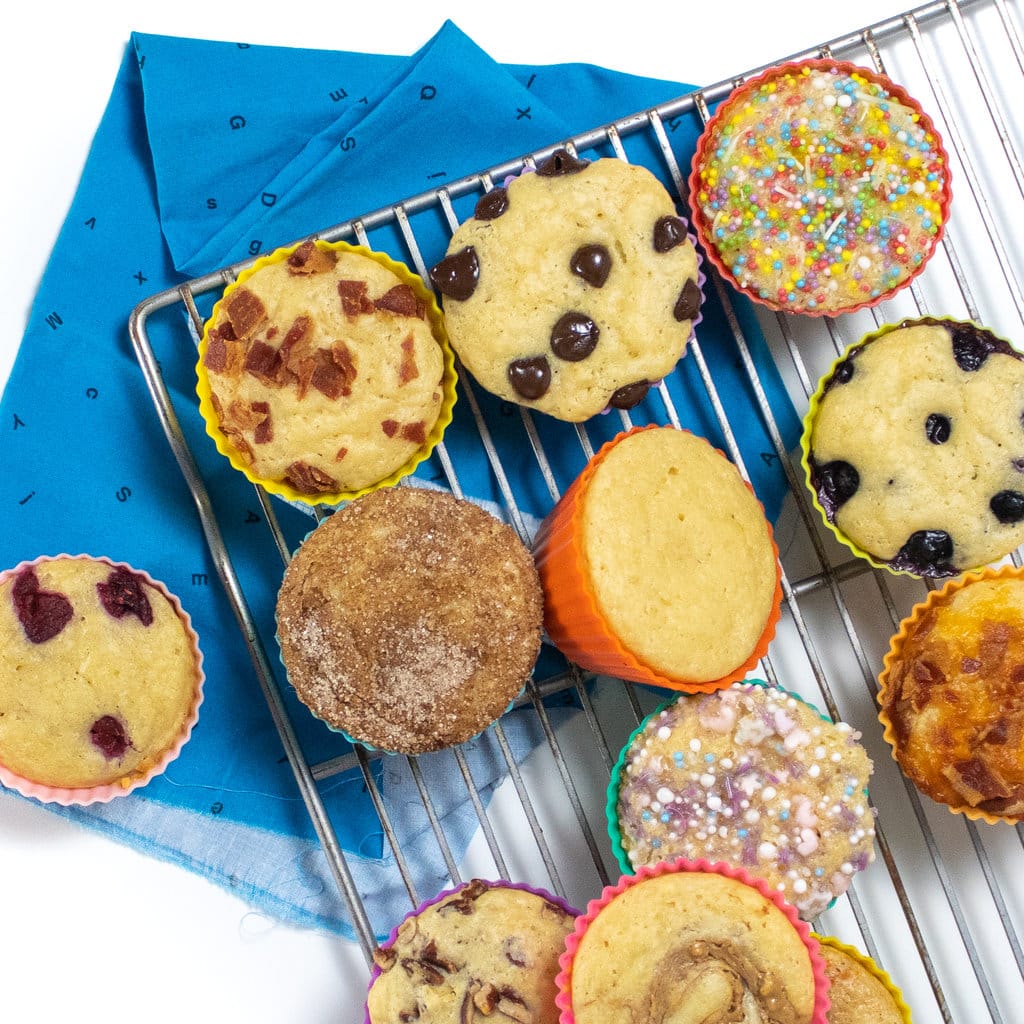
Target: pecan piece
{"type": "Point", "coordinates": [427, 973]}
{"type": "Point", "coordinates": [385, 957]}
{"type": "Point", "coordinates": [485, 998]}
{"type": "Point", "coordinates": [308, 479]}
{"type": "Point", "coordinates": [511, 1005]}
{"type": "Point", "coordinates": [309, 258]}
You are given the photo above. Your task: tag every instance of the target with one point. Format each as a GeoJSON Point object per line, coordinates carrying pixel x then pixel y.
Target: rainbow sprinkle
{"type": "Point", "coordinates": [820, 190]}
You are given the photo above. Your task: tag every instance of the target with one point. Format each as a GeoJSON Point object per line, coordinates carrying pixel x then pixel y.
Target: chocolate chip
{"type": "Point", "coordinates": [574, 336]}
{"type": "Point", "coordinates": [593, 263]}
{"type": "Point", "coordinates": [42, 613]}
{"type": "Point", "coordinates": [530, 378]}
{"type": "Point", "coordinates": [926, 552]}
{"type": "Point", "coordinates": [457, 275]}
{"type": "Point", "coordinates": [688, 304]}
{"type": "Point", "coordinates": [937, 428]}
{"type": "Point", "coordinates": [838, 481]}
{"type": "Point", "coordinates": [491, 205]}
{"type": "Point", "coordinates": [1008, 506]}
{"type": "Point", "coordinates": [108, 735]}
{"type": "Point", "coordinates": [843, 373]}
{"type": "Point", "coordinates": [668, 233]}
{"type": "Point", "coordinates": [970, 348]}
{"type": "Point", "coordinates": [561, 162]}
{"type": "Point", "coordinates": [629, 395]}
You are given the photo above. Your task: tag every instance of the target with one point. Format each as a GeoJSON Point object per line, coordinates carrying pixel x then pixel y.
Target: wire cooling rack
{"type": "Point", "coordinates": [942, 908]}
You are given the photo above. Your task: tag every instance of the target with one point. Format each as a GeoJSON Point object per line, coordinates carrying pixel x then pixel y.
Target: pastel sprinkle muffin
{"type": "Point", "coordinates": [952, 695]}
{"type": "Point", "coordinates": [860, 991]}
{"type": "Point", "coordinates": [410, 619]}
{"type": "Point", "coordinates": [100, 678]}
{"type": "Point", "coordinates": [482, 950]}
{"type": "Point", "coordinates": [324, 371]}
{"type": "Point", "coordinates": [755, 777]}
{"type": "Point", "coordinates": [914, 447]}
{"type": "Point", "coordinates": [819, 187]}
{"type": "Point", "coordinates": [698, 942]}
{"type": "Point", "coordinates": [658, 564]}
{"type": "Point", "coordinates": [572, 289]}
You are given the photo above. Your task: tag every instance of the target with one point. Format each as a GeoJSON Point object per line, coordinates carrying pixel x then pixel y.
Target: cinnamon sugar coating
{"type": "Point", "coordinates": [410, 619]}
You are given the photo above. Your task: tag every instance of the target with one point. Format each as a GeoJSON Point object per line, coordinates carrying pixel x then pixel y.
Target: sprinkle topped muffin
{"type": "Point", "coordinates": [819, 187]}
{"type": "Point", "coordinates": [753, 776]}
{"type": "Point", "coordinates": [324, 371]}
{"type": "Point", "coordinates": [572, 289]}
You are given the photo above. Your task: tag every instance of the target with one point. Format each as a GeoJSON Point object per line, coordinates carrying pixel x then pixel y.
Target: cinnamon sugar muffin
{"type": "Point", "coordinates": [324, 371]}
{"type": "Point", "coordinates": [410, 619]}
{"type": "Point", "coordinates": [484, 949]}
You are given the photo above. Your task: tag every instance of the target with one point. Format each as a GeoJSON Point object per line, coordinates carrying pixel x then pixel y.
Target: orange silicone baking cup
{"type": "Point", "coordinates": [871, 967]}
{"type": "Point", "coordinates": [738, 95]}
{"type": "Point", "coordinates": [448, 380]}
{"type": "Point", "coordinates": [895, 653]}
{"type": "Point", "coordinates": [572, 943]}
{"type": "Point", "coordinates": [85, 795]}
{"type": "Point", "coordinates": [571, 614]}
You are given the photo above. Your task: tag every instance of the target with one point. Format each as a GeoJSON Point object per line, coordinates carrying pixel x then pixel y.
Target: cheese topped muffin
{"type": "Point", "coordinates": [322, 372]}
{"type": "Point", "coordinates": [573, 288]}
{"type": "Point", "coordinates": [100, 678]}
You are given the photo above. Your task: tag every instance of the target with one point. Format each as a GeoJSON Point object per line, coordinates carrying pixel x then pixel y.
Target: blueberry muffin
{"type": "Point", "coordinates": [484, 950]}
{"type": "Point", "coordinates": [324, 371]}
{"type": "Point", "coordinates": [914, 447]}
{"type": "Point", "coordinates": [571, 289]}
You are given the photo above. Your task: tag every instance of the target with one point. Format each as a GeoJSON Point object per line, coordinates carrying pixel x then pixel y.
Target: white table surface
{"type": "Point", "coordinates": [90, 930]}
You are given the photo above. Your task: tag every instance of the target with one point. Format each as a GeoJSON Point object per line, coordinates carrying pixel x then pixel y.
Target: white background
{"type": "Point", "coordinates": [89, 930]}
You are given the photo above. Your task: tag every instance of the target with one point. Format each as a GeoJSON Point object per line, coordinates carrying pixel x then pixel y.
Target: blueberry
{"type": "Point", "coordinates": [838, 482]}
{"type": "Point", "coordinates": [970, 349]}
{"type": "Point", "coordinates": [928, 553]}
{"type": "Point", "coordinates": [843, 372]}
{"type": "Point", "coordinates": [1008, 506]}
{"type": "Point", "coordinates": [937, 428]}
{"type": "Point", "coordinates": [109, 736]}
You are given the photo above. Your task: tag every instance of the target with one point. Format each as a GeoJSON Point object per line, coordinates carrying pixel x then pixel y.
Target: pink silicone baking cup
{"type": "Point", "coordinates": [83, 796]}
{"type": "Point", "coordinates": [564, 979]}
{"type": "Point", "coordinates": [738, 95]}
{"type": "Point", "coordinates": [872, 968]}
{"type": "Point", "coordinates": [500, 883]}
{"type": "Point", "coordinates": [571, 615]}
{"type": "Point", "coordinates": [895, 653]}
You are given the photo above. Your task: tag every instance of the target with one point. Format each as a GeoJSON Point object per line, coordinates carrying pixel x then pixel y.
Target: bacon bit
{"type": "Point", "coordinates": [415, 432]}
{"type": "Point", "coordinates": [263, 362]}
{"type": "Point", "coordinates": [390, 427]}
{"type": "Point", "coordinates": [264, 432]}
{"type": "Point", "coordinates": [216, 358]}
{"type": "Point", "coordinates": [354, 300]}
{"type": "Point", "coordinates": [402, 301]}
{"type": "Point", "coordinates": [408, 370]}
{"type": "Point", "coordinates": [243, 415]}
{"type": "Point", "coordinates": [342, 452]}
{"type": "Point", "coordinates": [345, 361]}
{"type": "Point", "coordinates": [272, 333]}
{"type": "Point", "coordinates": [309, 258]}
{"type": "Point", "coordinates": [245, 312]}
{"type": "Point", "coordinates": [299, 331]}
{"type": "Point", "coordinates": [327, 378]}
{"type": "Point", "coordinates": [225, 330]}
{"type": "Point", "coordinates": [308, 479]}
{"type": "Point", "coordinates": [975, 781]}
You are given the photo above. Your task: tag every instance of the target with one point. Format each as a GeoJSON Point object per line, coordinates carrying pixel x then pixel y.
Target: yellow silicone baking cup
{"type": "Point", "coordinates": [871, 967]}
{"type": "Point", "coordinates": [448, 379]}
{"type": "Point", "coordinates": [895, 653]}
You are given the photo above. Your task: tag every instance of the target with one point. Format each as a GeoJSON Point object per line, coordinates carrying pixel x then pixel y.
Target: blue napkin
{"type": "Point", "coordinates": [210, 152]}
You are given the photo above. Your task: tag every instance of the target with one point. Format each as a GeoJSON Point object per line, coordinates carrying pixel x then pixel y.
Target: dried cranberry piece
{"type": "Point", "coordinates": [108, 734]}
{"type": "Point", "coordinates": [1008, 506]}
{"type": "Point", "coordinates": [124, 594]}
{"type": "Point", "coordinates": [42, 613]}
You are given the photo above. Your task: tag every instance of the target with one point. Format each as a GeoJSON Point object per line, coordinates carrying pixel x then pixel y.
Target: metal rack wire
{"type": "Point", "coordinates": [943, 909]}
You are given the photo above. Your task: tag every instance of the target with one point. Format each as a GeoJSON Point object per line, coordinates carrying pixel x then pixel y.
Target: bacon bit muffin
{"type": "Point", "coordinates": [410, 619]}
{"type": "Point", "coordinates": [952, 695]}
{"type": "Point", "coordinates": [100, 678]}
{"type": "Point", "coordinates": [819, 187]}
{"type": "Point", "coordinates": [751, 775]}
{"type": "Point", "coordinates": [324, 371]}
{"type": "Point", "coordinates": [572, 289]}
{"type": "Point", "coordinates": [483, 950]}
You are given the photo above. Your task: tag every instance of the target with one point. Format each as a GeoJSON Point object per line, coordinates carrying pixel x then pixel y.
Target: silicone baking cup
{"type": "Point", "coordinates": [523, 887]}
{"type": "Point", "coordinates": [872, 968]}
{"type": "Point", "coordinates": [612, 793]}
{"type": "Point", "coordinates": [895, 654]}
{"type": "Point", "coordinates": [813, 225]}
{"type": "Point", "coordinates": [571, 613]}
{"type": "Point", "coordinates": [819, 1014]}
{"type": "Point", "coordinates": [434, 436]}
{"type": "Point", "coordinates": [158, 763]}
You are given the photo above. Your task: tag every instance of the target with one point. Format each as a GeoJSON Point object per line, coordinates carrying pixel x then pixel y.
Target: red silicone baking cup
{"type": "Point", "coordinates": [572, 618]}
{"type": "Point", "coordinates": [500, 883]}
{"type": "Point", "coordinates": [698, 217]}
{"type": "Point", "coordinates": [85, 795]}
{"type": "Point", "coordinates": [563, 1000]}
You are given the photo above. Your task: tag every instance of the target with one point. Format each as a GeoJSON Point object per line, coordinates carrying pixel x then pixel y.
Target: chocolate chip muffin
{"type": "Point", "coordinates": [914, 447]}
{"type": "Point", "coordinates": [573, 288]}
{"type": "Point", "coordinates": [410, 619]}
{"type": "Point", "coordinates": [486, 950]}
